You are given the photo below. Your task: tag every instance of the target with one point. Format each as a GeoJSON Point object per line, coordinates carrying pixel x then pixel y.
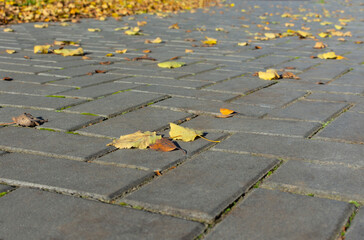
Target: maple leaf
{"type": "Point", "coordinates": [135, 140]}
{"type": "Point", "coordinates": [182, 133]}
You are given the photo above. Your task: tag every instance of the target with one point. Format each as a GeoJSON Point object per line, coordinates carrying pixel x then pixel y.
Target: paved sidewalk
{"type": "Point", "coordinates": [289, 165]}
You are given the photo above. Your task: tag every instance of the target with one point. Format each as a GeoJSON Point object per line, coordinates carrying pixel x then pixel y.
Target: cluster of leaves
{"type": "Point", "coordinates": [20, 11]}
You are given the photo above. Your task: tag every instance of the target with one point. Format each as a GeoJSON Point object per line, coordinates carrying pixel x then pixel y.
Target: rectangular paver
{"type": "Point", "coordinates": [35, 214]}
{"type": "Point", "coordinates": [356, 229]}
{"type": "Point", "coordinates": [267, 214]}
{"type": "Point", "coordinates": [180, 192]}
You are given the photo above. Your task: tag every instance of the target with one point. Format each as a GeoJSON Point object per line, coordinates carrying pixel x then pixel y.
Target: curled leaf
{"type": "Point", "coordinates": [163, 145]}
{"type": "Point", "coordinates": [10, 51]}
{"type": "Point", "coordinates": [270, 74]}
{"type": "Point", "coordinates": [174, 26]}
{"type": "Point", "coordinates": [225, 111]}
{"type": "Point", "coordinates": [243, 44]}
{"type": "Point", "coordinates": [210, 41]}
{"type": "Point", "coordinates": [319, 45]}
{"type": "Point", "coordinates": [94, 29]}
{"type": "Point", "coordinates": [157, 40]}
{"type": "Point", "coordinates": [109, 55]}
{"type": "Point", "coordinates": [182, 133]}
{"type": "Point", "coordinates": [69, 52]}
{"type": "Point", "coordinates": [135, 140]}
{"type": "Point", "coordinates": [41, 49]}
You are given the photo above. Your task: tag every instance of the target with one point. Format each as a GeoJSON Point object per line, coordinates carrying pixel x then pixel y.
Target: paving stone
{"type": "Point", "coordinates": [186, 93]}
{"type": "Point", "coordinates": [56, 120]}
{"type": "Point", "coordinates": [240, 85]}
{"type": "Point", "coordinates": [356, 229]}
{"type": "Point", "coordinates": [253, 125]}
{"type": "Point", "coordinates": [117, 103]}
{"type": "Point", "coordinates": [30, 88]}
{"type": "Point", "coordinates": [335, 97]}
{"type": "Point", "coordinates": [151, 160]}
{"type": "Point", "coordinates": [270, 61]}
{"type": "Point", "coordinates": [71, 177]}
{"type": "Point", "coordinates": [96, 91]}
{"type": "Point", "coordinates": [22, 68]}
{"type": "Point", "coordinates": [76, 71]}
{"type": "Point", "coordinates": [38, 102]}
{"type": "Point", "coordinates": [297, 65]}
{"type": "Point", "coordinates": [323, 73]}
{"type": "Point", "coordinates": [211, 107]}
{"type": "Point", "coordinates": [310, 111]}
{"type": "Point", "coordinates": [29, 78]}
{"type": "Point", "coordinates": [269, 214]}
{"type": "Point", "coordinates": [270, 97]}
{"type": "Point", "coordinates": [87, 80]}
{"type": "Point", "coordinates": [144, 119]}
{"type": "Point", "coordinates": [310, 178]}
{"type": "Point", "coordinates": [5, 188]}
{"type": "Point", "coordinates": [43, 214]}
{"type": "Point", "coordinates": [53, 144]}
{"type": "Point", "coordinates": [295, 148]}
{"type": "Point", "coordinates": [212, 76]}
{"type": "Point", "coordinates": [348, 126]}
{"type": "Point", "coordinates": [193, 192]}
{"type": "Point", "coordinates": [350, 78]}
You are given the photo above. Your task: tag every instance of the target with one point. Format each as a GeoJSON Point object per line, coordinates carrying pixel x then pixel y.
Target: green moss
{"type": "Point", "coordinates": [69, 132]}
{"type": "Point", "coordinates": [47, 129]}
{"type": "Point", "coordinates": [137, 207]}
{"type": "Point", "coordinates": [355, 203]}
{"type": "Point", "coordinates": [90, 114]}
{"type": "Point", "coordinates": [123, 204]}
{"type": "Point", "coordinates": [3, 193]}
{"type": "Point", "coordinates": [56, 96]}
{"type": "Point", "coordinates": [121, 91]}
{"type": "Point", "coordinates": [257, 184]}
{"type": "Point", "coordinates": [311, 195]}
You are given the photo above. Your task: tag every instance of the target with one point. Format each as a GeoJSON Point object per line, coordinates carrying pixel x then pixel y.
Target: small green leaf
{"type": "Point", "coordinates": [171, 64]}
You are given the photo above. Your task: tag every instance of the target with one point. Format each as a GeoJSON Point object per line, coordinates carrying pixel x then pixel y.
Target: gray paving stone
{"type": "Point", "coordinates": [71, 177]}
{"type": "Point", "coordinates": [38, 102]}
{"type": "Point", "coordinates": [117, 103]}
{"type": "Point", "coordinates": [43, 214]}
{"type": "Point", "coordinates": [240, 85]}
{"type": "Point", "coordinates": [213, 76]}
{"type": "Point", "coordinates": [56, 120]}
{"type": "Point", "coordinates": [193, 192]}
{"type": "Point", "coordinates": [5, 188]}
{"type": "Point", "coordinates": [295, 148]}
{"type": "Point", "coordinates": [144, 119]}
{"type": "Point", "coordinates": [350, 78]}
{"type": "Point", "coordinates": [87, 80]}
{"type": "Point", "coordinates": [53, 144]}
{"type": "Point", "coordinates": [334, 97]}
{"type": "Point", "coordinates": [30, 88]}
{"type": "Point", "coordinates": [310, 111]}
{"type": "Point", "coordinates": [96, 91]}
{"type": "Point", "coordinates": [210, 107]}
{"type": "Point", "coordinates": [22, 68]}
{"type": "Point", "coordinates": [269, 214]}
{"type": "Point", "coordinates": [252, 125]}
{"type": "Point", "coordinates": [356, 229]}
{"type": "Point", "coordinates": [323, 73]}
{"type": "Point", "coordinates": [348, 126]}
{"type": "Point", "coordinates": [334, 88]}
{"type": "Point", "coordinates": [310, 178]}
{"type": "Point", "coordinates": [270, 97]}
{"type": "Point", "coordinates": [270, 61]}
{"type": "Point", "coordinates": [186, 93]}
{"type": "Point", "coordinates": [29, 78]}
{"type": "Point", "coordinates": [75, 71]}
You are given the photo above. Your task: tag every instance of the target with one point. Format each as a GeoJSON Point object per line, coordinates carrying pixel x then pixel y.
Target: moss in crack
{"type": "Point", "coordinates": [311, 195]}
{"type": "Point", "coordinates": [123, 204]}
{"type": "Point", "coordinates": [357, 205]}
{"type": "Point", "coordinates": [257, 184]}
{"type": "Point", "coordinates": [121, 91]}
{"type": "Point", "coordinates": [47, 129]}
{"type": "Point", "coordinates": [347, 225]}
{"type": "Point", "coordinates": [90, 114]}
{"type": "Point", "coordinates": [56, 96]}
{"type": "Point", "coordinates": [3, 194]}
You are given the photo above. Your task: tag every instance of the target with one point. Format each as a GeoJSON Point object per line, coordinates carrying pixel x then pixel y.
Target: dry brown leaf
{"type": "Point", "coordinates": [26, 120]}
{"type": "Point", "coordinates": [258, 47]}
{"type": "Point", "coordinates": [147, 51]}
{"type": "Point", "coordinates": [106, 63]}
{"type": "Point", "coordinates": [289, 75]}
{"type": "Point", "coordinates": [174, 26]}
{"type": "Point", "coordinates": [163, 145]}
{"type": "Point", "coordinates": [86, 58]}
{"type": "Point", "coordinates": [319, 45]}
{"type": "Point", "coordinates": [26, 57]}
{"type": "Point", "coordinates": [7, 79]}
{"type": "Point", "coordinates": [100, 71]}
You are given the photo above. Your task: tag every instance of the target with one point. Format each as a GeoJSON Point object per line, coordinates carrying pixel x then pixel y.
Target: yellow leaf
{"type": "Point", "coordinates": [45, 25]}
{"type": "Point", "coordinates": [9, 51]}
{"type": "Point", "coordinates": [174, 26]}
{"type": "Point", "coordinates": [171, 64]}
{"type": "Point", "coordinates": [121, 28]}
{"type": "Point", "coordinates": [219, 29]}
{"type": "Point", "coordinates": [328, 55]}
{"type": "Point", "coordinates": [210, 41]}
{"type": "Point", "coordinates": [325, 23]}
{"type": "Point", "coordinates": [109, 55]}
{"type": "Point", "coordinates": [348, 34]}
{"type": "Point", "coordinates": [338, 27]}
{"type": "Point", "coordinates": [245, 26]}
{"type": "Point", "coordinates": [121, 51]}
{"type": "Point", "coordinates": [338, 57]}
{"type": "Point", "coordinates": [181, 133]}
{"type": "Point", "coordinates": [135, 140]}
{"type": "Point", "coordinates": [69, 52]}
{"type": "Point", "coordinates": [41, 49]}
{"type": "Point", "coordinates": [134, 31]}
{"type": "Point", "coordinates": [319, 45]}
{"type": "Point", "coordinates": [304, 34]}
{"type": "Point", "coordinates": [243, 10]}
{"type": "Point", "coordinates": [94, 29]}
{"type": "Point", "coordinates": [323, 34]}
{"type": "Point", "coordinates": [189, 51]}
{"type": "Point", "coordinates": [270, 35]}
{"type": "Point", "coordinates": [65, 24]}
{"type": "Point", "coordinates": [270, 74]}
{"type": "Point", "coordinates": [243, 44]}
{"type": "Point", "coordinates": [8, 30]}
{"type": "Point", "coordinates": [157, 40]}
{"type": "Point", "coordinates": [225, 111]}
{"type": "Point", "coordinates": [59, 43]}
{"type": "Point", "coordinates": [142, 23]}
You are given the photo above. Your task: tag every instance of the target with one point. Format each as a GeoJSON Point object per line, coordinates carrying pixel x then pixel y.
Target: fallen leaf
{"type": "Point", "coordinates": [190, 40]}
{"type": "Point", "coordinates": [135, 140]}
{"type": "Point", "coordinates": [65, 24]}
{"type": "Point", "coordinates": [144, 57]}
{"type": "Point", "coordinates": [341, 39]}
{"type": "Point", "coordinates": [163, 145]}
{"type": "Point", "coordinates": [324, 34]}
{"type": "Point", "coordinates": [10, 51]}
{"type": "Point", "coordinates": [305, 28]}
{"type": "Point", "coordinates": [319, 45]}
{"type": "Point", "coordinates": [171, 64]}
{"type": "Point", "coordinates": [219, 29]}
{"type": "Point", "coordinates": [26, 57]}
{"type": "Point", "coordinates": [270, 35]}
{"type": "Point", "coordinates": [189, 51]}
{"type": "Point", "coordinates": [270, 74]}
{"type": "Point", "coordinates": [358, 42]}
{"type": "Point", "coordinates": [109, 55]}
{"type": "Point", "coordinates": [243, 44]}
{"type": "Point", "coordinates": [157, 40]}
{"type": "Point", "coordinates": [27, 120]}
{"type": "Point", "coordinates": [61, 43]}
{"type": "Point", "coordinates": [338, 57]}
{"type": "Point", "coordinates": [289, 24]}
{"type": "Point", "coordinates": [157, 172]}
{"type": "Point", "coordinates": [174, 26]}
{"type": "Point", "coordinates": [225, 111]}
{"type": "Point", "coordinates": [94, 29]}
{"type": "Point", "coordinates": [41, 49]}
{"type": "Point", "coordinates": [121, 51]}
{"type": "Point", "coordinates": [106, 63]}
{"type": "Point", "coordinates": [338, 27]}
{"type": "Point", "coordinates": [69, 52]}
{"type": "Point", "coordinates": [181, 133]}
{"type": "Point", "coordinates": [328, 55]}
{"type": "Point", "coordinates": [100, 71]}
{"type": "Point", "coordinates": [121, 28]}
{"type": "Point", "coordinates": [303, 34]}
{"type": "Point", "coordinates": [258, 47]}
{"type": "Point", "coordinates": [142, 23]}
{"type": "Point", "coordinates": [147, 51]}
{"type": "Point", "coordinates": [86, 58]}
{"type": "Point", "coordinates": [210, 41]}
{"type": "Point", "coordinates": [325, 23]}
{"type": "Point", "coordinates": [290, 68]}
{"type": "Point", "coordinates": [7, 79]}
{"type": "Point", "coordinates": [8, 30]}
{"type": "Point", "coordinates": [45, 25]}
{"type": "Point", "coordinates": [134, 31]}
{"type": "Point", "coordinates": [289, 75]}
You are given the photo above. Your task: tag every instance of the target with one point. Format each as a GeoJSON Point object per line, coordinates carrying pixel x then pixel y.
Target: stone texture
{"type": "Point", "coordinates": [144, 119]}
{"type": "Point", "coordinates": [5, 188]}
{"type": "Point", "coordinates": [172, 193]}
{"type": "Point", "coordinates": [295, 148]}
{"type": "Point", "coordinates": [50, 143]}
{"type": "Point", "coordinates": [348, 126]}
{"type": "Point", "coordinates": [269, 214]}
{"type": "Point", "coordinates": [49, 215]}
{"type": "Point", "coordinates": [356, 229]}
{"type": "Point", "coordinates": [118, 103]}
{"type": "Point", "coordinates": [324, 72]}
{"type": "Point", "coordinates": [310, 111]}
{"type": "Point", "coordinates": [71, 177]}
{"type": "Point", "coordinates": [310, 178]}
{"type": "Point", "coordinates": [30, 88]}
